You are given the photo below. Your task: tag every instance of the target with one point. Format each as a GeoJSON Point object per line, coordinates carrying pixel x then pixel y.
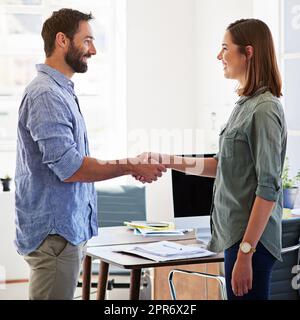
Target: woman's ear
{"type": "Point", "coordinates": [249, 52]}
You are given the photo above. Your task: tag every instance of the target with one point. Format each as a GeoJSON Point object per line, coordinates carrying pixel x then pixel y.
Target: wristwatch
{"type": "Point", "coordinates": [246, 247]}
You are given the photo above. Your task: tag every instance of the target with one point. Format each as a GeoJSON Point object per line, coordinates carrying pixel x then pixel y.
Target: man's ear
{"type": "Point", "coordinates": [249, 52]}
{"type": "Point", "coordinates": [62, 40]}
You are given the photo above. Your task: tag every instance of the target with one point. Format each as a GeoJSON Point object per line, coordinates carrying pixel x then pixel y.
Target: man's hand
{"type": "Point", "coordinates": [149, 158]}
{"type": "Point", "coordinates": [145, 170]}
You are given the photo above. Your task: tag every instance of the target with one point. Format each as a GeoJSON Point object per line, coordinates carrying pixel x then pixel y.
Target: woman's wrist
{"type": "Point", "coordinates": [241, 256]}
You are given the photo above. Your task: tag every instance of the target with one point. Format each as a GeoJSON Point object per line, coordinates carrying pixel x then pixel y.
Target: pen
{"type": "Point", "coordinates": [169, 246]}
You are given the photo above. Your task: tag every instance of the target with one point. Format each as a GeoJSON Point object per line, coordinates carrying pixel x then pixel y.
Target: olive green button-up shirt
{"type": "Point", "coordinates": [251, 154]}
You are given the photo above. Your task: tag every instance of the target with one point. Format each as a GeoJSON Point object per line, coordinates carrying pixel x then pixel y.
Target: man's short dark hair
{"type": "Point", "coordinates": [65, 21]}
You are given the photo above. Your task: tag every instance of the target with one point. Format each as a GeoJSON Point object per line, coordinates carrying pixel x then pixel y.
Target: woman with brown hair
{"type": "Point", "coordinates": [247, 198]}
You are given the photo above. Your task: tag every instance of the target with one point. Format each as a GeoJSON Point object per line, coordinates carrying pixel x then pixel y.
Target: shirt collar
{"type": "Point", "coordinates": [243, 99]}
{"type": "Point", "coordinates": [60, 78]}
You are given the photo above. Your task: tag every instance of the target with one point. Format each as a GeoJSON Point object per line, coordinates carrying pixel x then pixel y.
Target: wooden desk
{"type": "Point", "coordinates": [106, 254]}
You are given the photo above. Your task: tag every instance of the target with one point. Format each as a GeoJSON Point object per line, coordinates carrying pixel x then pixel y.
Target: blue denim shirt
{"type": "Point", "coordinates": [52, 142]}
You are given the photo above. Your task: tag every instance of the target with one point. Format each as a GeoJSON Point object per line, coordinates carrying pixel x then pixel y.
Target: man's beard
{"type": "Point", "coordinates": [73, 59]}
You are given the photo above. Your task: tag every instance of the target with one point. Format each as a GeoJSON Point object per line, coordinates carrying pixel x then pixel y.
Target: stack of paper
{"type": "Point", "coordinates": [295, 212]}
{"type": "Point", "coordinates": [149, 225]}
{"type": "Point", "coordinates": [159, 233]}
{"type": "Point", "coordinates": [155, 229]}
{"type": "Point", "coordinates": [167, 250]}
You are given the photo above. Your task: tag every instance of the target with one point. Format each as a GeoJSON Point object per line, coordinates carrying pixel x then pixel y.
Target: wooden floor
{"type": "Point", "coordinates": [187, 287]}
{"type": "Point", "coordinates": [19, 291]}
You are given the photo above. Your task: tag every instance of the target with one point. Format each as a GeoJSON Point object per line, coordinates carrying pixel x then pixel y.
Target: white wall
{"type": "Point", "coordinates": [14, 265]}
{"type": "Point", "coordinates": [269, 12]}
{"type": "Point", "coordinates": [161, 79]}
{"type": "Point", "coordinates": [174, 80]}
{"type": "Point", "coordinates": [161, 63]}
{"type": "Point", "coordinates": [8, 135]}
{"type": "Point", "coordinates": [214, 92]}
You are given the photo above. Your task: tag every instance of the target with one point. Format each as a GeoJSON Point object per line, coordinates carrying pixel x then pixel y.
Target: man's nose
{"type": "Point", "coordinates": [92, 49]}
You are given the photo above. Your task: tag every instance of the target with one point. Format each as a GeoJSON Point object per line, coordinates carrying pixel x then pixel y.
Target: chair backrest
{"type": "Point", "coordinates": [117, 204]}
{"type": "Point", "coordinates": [281, 281]}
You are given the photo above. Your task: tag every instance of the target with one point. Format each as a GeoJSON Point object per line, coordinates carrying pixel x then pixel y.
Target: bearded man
{"type": "Point", "coordinates": [56, 209]}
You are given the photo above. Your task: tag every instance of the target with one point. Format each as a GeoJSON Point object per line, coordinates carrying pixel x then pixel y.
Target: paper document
{"type": "Point", "coordinates": [295, 211]}
{"type": "Point", "coordinates": [159, 233]}
{"type": "Point", "coordinates": [168, 250]}
{"type": "Point", "coordinates": [149, 225]}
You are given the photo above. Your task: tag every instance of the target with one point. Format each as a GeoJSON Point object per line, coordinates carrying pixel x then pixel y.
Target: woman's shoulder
{"type": "Point", "coordinates": [262, 97]}
{"type": "Point", "coordinates": [266, 102]}
{"type": "Point", "coordinates": [265, 108]}
{"type": "Point", "coordinates": [267, 96]}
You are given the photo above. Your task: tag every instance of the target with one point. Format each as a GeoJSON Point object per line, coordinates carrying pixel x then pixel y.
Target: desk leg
{"type": "Point", "coordinates": [135, 281]}
{"type": "Point", "coordinates": [102, 280]}
{"type": "Point", "coordinates": [86, 278]}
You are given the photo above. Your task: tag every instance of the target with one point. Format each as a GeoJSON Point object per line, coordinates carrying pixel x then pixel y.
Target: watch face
{"type": "Point", "coordinates": [245, 247]}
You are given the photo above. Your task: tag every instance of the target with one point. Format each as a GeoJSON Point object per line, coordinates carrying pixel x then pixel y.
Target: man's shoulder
{"type": "Point", "coordinates": [41, 84]}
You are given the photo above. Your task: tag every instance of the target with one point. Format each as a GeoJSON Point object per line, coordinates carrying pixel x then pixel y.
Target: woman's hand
{"type": "Point", "coordinates": [242, 275]}
{"type": "Point", "coordinates": [149, 158]}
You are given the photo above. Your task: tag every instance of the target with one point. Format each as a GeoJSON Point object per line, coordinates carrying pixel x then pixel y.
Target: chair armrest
{"type": "Point", "coordinates": [220, 279]}
{"type": "Point", "coordinates": [289, 249]}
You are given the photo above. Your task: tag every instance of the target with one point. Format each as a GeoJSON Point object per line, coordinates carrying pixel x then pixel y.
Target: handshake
{"type": "Point", "coordinates": [149, 166]}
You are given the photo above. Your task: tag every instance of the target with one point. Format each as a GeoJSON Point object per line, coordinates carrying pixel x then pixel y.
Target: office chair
{"type": "Point", "coordinates": [117, 204]}
{"type": "Point", "coordinates": [282, 276]}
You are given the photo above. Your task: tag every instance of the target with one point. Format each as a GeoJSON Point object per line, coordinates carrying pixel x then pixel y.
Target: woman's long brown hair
{"type": "Point", "coordinates": [262, 68]}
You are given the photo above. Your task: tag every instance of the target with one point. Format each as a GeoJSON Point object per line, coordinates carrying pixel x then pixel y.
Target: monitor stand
{"type": "Point", "coordinates": [200, 224]}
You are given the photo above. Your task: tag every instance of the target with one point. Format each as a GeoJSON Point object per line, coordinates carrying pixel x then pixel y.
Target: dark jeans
{"type": "Point", "coordinates": [262, 264]}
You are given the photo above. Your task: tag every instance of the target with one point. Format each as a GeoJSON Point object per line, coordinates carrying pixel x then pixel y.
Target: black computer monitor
{"type": "Point", "coordinates": [192, 195]}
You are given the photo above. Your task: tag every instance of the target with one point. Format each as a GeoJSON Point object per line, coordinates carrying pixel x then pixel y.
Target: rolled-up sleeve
{"type": "Point", "coordinates": [216, 156]}
{"type": "Point", "coordinates": [265, 141]}
{"type": "Point", "coordinates": [50, 125]}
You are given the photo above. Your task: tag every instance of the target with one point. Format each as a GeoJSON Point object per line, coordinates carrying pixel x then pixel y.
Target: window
{"type": "Point", "coordinates": [101, 90]}
{"type": "Point", "coordinates": [290, 54]}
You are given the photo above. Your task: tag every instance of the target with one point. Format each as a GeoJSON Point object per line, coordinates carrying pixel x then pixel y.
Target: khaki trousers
{"type": "Point", "coordinates": [54, 269]}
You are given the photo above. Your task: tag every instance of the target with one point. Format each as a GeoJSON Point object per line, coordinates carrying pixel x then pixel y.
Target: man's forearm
{"type": "Point", "coordinates": [93, 170]}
